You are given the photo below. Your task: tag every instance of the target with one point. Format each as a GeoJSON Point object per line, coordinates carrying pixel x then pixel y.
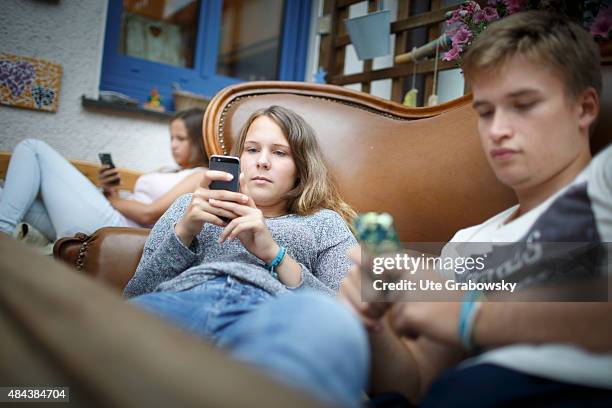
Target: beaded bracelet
{"type": "Point", "coordinates": [277, 260]}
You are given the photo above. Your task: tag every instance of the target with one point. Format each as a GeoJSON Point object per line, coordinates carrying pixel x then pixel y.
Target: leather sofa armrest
{"type": "Point", "coordinates": [110, 254]}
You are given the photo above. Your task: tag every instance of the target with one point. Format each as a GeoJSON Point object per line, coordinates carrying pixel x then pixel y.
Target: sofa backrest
{"type": "Point", "coordinates": [422, 165]}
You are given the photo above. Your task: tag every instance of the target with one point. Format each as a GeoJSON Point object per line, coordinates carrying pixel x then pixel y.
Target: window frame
{"type": "Point", "coordinates": [136, 76]}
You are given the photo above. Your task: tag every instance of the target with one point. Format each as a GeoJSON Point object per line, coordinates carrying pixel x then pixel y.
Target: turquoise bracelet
{"type": "Point", "coordinates": [467, 317]}
{"type": "Point", "coordinates": [277, 260]}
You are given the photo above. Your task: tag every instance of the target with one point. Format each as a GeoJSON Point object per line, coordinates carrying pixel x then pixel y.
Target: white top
{"type": "Point", "coordinates": [580, 212]}
{"type": "Point", "coordinates": [151, 186]}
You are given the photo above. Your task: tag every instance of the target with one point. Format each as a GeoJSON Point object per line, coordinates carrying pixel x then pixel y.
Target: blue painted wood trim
{"type": "Point", "coordinates": [136, 77]}
{"type": "Point", "coordinates": [294, 49]}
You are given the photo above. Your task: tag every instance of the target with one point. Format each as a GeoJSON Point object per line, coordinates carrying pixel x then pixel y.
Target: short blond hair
{"type": "Point", "coordinates": [541, 37]}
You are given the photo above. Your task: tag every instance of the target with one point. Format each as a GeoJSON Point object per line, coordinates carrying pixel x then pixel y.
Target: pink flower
{"type": "Point", "coordinates": [471, 7]}
{"type": "Point", "coordinates": [513, 6]}
{"type": "Point", "coordinates": [461, 36]}
{"type": "Point", "coordinates": [490, 14]}
{"type": "Point", "coordinates": [479, 16]}
{"type": "Point", "coordinates": [452, 31]}
{"type": "Point", "coordinates": [602, 24]}
{"type": "Point", "coordinates": [452, 54]}
{"type": "Point", "coordinates": [454, 17]}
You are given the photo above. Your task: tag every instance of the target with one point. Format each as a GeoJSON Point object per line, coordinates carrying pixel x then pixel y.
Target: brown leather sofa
{"type": "Point", "coordinates": [422, 165]}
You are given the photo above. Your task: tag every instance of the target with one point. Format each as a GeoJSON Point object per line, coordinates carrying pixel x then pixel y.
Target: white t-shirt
{"type": "Point", "coordinates": [580, 212]}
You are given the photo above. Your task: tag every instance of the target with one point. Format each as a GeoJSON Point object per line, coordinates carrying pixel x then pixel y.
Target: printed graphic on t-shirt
{"type": "Point", "coordinates": [563, 244]}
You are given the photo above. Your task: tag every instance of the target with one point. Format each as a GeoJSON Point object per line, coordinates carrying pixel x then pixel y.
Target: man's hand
{"type": "Point", "coordinates": [350, 293]}
{"type": "Point", "coordinates": [436, 320]}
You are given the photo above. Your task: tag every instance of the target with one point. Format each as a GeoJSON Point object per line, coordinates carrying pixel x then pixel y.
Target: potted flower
{"type": "Point", "coordinates": [472, 18]}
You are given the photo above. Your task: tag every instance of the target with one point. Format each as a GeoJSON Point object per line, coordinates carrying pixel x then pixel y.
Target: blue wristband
{"type": "Point", "coordinates": [467, 317]}
{"type": "Point", "coordinates": [277, 260]}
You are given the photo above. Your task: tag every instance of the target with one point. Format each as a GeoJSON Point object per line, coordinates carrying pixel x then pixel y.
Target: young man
{"type": "Point", "coordinates": [536, 82]}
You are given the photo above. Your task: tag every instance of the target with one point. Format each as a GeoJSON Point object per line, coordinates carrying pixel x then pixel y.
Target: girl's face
{"type": "Point", "coordinates": [268, 165]}
{"type": "Point", "coordinates": [180, 143]}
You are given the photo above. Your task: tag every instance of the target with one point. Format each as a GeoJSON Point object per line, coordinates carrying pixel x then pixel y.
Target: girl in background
{"type": "Point", "coordinates": [44, 197]}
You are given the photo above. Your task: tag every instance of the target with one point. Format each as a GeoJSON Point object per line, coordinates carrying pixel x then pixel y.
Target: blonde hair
{"type": "Point", "coordinates": [314, 188]}
{"type": "Point", "coordinates": [540, 37]}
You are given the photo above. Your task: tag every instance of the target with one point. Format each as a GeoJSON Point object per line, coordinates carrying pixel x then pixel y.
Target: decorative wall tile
{"type": "Point", "coordinates": [30, 83]}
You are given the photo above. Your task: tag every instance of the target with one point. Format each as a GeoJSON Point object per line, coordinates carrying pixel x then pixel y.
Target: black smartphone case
{"type": "Point", "coordinates": [229, 167]}
{"type": "Point", "coordinates": [105, 158]}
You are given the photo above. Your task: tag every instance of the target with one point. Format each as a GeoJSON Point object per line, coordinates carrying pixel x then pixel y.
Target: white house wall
{"type": "Point", "coordinates": [71, 33]}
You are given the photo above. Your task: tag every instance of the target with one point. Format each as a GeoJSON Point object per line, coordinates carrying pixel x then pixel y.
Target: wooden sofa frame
{"type": "Point", "coordinates": [89, 170]}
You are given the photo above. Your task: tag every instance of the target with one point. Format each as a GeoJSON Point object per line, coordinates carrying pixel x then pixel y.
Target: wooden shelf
{"type": "Point", "coordinates": [91, 103]}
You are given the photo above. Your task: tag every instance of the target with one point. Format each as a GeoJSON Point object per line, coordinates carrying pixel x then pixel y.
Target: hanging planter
{"type": "Point", "coordinates": [370, 34]}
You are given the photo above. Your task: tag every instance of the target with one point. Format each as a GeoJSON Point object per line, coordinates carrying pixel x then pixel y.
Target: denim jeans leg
{"type": "Point", "coordinates": [72, 202]}
{"type": "Point", "coordinates": [307, 341]}
{"type": "Point", "coordinates": [206, 309]}
{"type": "Point", "coordinates": [178, 308]}
{"type": "Point", "coordinates": [238, 300]}
{"type": "Point", "coordinates": [38, 217]}
{"type": "Point", "coordinates": [190, 310]}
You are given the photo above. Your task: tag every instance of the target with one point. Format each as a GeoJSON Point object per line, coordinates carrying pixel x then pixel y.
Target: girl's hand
{"type": "Point", "coordinates": [201, 211]}
{"type": "Point", "coordinates": [109, 180]}
{"type": "Point", "coordinates": [248, 226]}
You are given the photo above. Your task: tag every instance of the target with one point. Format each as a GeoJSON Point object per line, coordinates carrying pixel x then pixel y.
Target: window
{"type": "Point", "coordinates": [202, 45]}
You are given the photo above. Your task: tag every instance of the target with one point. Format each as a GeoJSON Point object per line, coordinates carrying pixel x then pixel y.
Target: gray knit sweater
{"type": "Point", "coordinates": [317, 242]}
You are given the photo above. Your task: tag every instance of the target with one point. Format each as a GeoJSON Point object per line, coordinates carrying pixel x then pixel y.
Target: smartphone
{"type": "Point", "coordinates": [377, 236]}
{"type": "Point", "coordinates": [105, 158]}
{"type": "Point", "coordinates": [228, 164]}
{"type": "Point", "coordinates": [376, 233]}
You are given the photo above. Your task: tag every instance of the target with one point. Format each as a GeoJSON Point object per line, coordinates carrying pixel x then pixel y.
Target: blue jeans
{"type": "Point", "coordinates": [45, 190]}
{"type": "Point", "coordinates": [307, 341]}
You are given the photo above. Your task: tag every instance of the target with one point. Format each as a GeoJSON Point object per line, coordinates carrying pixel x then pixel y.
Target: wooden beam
{"type": "Point", "coordinates": [367, 64]}
{"type": "Point", "coordinates": [339, 53]}
{"type": "Point", "coordinates": [401, 41]}
{"type": "Point", "coordinates": [326, 45]}
{"type": "Point", "coordinates": [393, 72]}
{"type": "Point", "coordinates": [434, 16]}
{"type": "Point", "coordinates": [433, 32]}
